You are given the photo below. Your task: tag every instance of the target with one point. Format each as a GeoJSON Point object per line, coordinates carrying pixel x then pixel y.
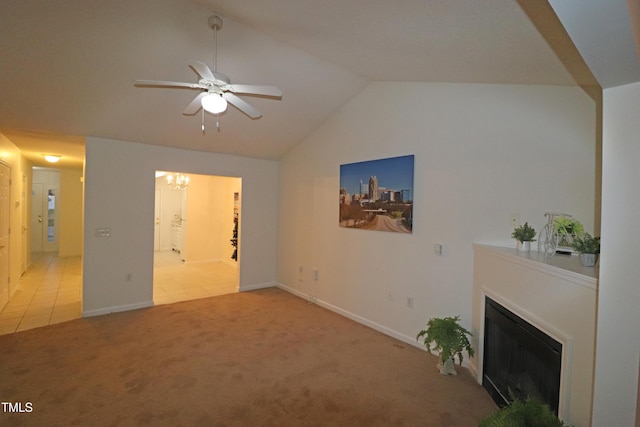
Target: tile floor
{"type": "Point", "coordinates": [50, 291]}
{"type": "Point", "coordinates": [174, 280]}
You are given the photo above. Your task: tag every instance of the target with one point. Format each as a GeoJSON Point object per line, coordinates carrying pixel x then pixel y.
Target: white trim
{"type": "Point", "coordinates": [561, 266]}
{"type": "Point", "coordinates": [373, 325]}
{"type": "Point", "coordinates": [257, 286]}
{"type": "Point", "coordinates": [117, 308]}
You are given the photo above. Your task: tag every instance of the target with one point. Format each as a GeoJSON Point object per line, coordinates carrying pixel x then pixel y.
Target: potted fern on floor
{"type": "Point", "coordinates": [449, 339]}
{"type": "Point", "coordinates": [523, 413]}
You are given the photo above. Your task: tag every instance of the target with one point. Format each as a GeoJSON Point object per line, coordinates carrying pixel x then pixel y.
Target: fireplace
{"type": "Point", "coordinates": [556, 295]}
{"type": "Point", "coordinates": [519, 359]}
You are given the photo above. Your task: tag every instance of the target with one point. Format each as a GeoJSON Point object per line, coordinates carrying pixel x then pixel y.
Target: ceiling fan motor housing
{"type": "Point", "coordinates": [215, 22]}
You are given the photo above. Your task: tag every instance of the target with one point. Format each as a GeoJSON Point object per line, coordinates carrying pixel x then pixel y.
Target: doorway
{"type": "Point", "coordinates": [193, 231]}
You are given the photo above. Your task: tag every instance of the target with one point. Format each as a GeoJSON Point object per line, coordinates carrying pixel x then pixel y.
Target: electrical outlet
{"type": "Point", "coordinates": [390, 296]}
{"type": "Point", "coordinates": [409, 302]}
{"type": "Point", "coordinates": [129, 277]}
{"type": "Point", "coordinates": [515, 219]}
{"type": "Point", "coordinates": [316, 274]}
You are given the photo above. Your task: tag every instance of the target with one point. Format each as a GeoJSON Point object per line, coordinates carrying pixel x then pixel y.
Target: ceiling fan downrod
{"type": "Point", "coordinates": [215, 23]}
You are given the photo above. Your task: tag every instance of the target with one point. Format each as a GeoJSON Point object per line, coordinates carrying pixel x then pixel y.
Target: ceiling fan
{"type": "Point", "coordinates": [216, 90]}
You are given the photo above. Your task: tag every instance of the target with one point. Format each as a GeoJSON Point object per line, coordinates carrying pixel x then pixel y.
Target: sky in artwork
{"type": "Point", "coordinates": [394, 173]}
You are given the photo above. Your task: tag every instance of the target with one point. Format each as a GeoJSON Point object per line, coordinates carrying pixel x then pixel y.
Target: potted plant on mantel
{"type": "Point", "coordinates": [567, 229]}
{"type": "Point", "coordinates": [524, 234]}
{"type": "Point", "coordinates": [588, 247]}
{"type": "Point", "coordinates": [449, 339]}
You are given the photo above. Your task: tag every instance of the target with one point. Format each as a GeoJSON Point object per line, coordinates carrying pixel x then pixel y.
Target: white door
{"type": "Point", "coordinates": [37, 217]}
{"type": "Point", "coordinates": [24, 232]}
{"type": "Point", "coordinates": [156, 224]}
{"type": "Point", "coordinates": [50, 237]}
{"type": "Point", "coordinates": [5, 192]}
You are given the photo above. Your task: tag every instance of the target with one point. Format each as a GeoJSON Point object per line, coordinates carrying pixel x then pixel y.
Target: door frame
{"type": "Point", "coordinates": [5, 241]}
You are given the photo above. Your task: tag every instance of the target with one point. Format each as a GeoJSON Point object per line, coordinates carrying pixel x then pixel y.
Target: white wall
{"type": "Point", "coordinates": [209, 226]}
{"type": "Point", "coordinates": [71, 190]}
{"type": "Point", "coordinates": [618, 344]}
{"type": "Point", "coordinates": [482, 153]}
{"type": "Point", "coordinates": [124, 202]}
{"type": "Point", "coordinates": [11, 155]}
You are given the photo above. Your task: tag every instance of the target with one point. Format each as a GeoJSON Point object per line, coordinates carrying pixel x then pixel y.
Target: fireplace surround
{"type": "Point", "coordinates": [520, 361]}
{"type": "Point", "coordinates": [558, 297]}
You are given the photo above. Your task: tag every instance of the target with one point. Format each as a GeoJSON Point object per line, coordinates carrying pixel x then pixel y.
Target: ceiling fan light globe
{"type": "Point", "coordinates": [214, 103]}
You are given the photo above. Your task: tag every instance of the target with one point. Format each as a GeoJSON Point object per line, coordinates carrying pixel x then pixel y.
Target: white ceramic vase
{"type": "Point", "coordinates": [448, 367]}
{"type": "Point", "coordinates": [523, 246]}
{"type": "Point", "coordinates": [588, 260]}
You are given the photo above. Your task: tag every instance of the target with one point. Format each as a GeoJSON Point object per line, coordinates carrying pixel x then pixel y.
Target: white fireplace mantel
{"type": "Point", "coordinates": [558, 296]}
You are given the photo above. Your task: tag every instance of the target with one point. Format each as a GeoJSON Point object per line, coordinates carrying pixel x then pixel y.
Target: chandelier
{"type": "Point", "coordinates": [177, 181]}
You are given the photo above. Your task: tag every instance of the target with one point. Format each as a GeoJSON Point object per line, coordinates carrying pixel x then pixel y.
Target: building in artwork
{"type": "Point", "coordinates": [373, 188]}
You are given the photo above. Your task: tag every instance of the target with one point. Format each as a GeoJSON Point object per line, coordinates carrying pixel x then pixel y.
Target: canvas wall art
{"type": "Point", "coordinates": [377, 195]}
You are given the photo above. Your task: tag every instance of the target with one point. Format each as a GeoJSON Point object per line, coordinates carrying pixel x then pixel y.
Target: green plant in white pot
{"type": "Point", "coordinates": [588, 247]}
{"type": "Point", "coordinates": [524, 234]}
{"type": "Point", "coordinates": [449, 339]}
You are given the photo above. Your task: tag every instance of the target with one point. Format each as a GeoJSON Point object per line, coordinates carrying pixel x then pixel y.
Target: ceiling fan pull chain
{"type": "Point", "coordinates": [218, 122]}
{"type": "Point", "coordinates": [203, 121]}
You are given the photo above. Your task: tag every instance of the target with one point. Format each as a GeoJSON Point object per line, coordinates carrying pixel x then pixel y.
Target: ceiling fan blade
{"type": "Point", "coordinates": [202, 70]}
{"type": "Point", "coordinates": [195, 105]}
{"type": "Point", "coordinates": [256, 90]}
{"type": "Point", "coordinates": [241, 105]}
{"type": "Point", "coordinates": [163, 83]}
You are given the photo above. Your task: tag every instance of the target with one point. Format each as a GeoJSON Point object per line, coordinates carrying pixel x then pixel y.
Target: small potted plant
{"type": "Point", "coordinates": [567, 229]}
{"type": "Point", "coordinates": [526, 413]}
{"type": "Point", "coordinates": [524, 234]}
{"type": "Point", "coordinates": [449, 339]}
{"type": "Point", "coordinates": [588, 247]}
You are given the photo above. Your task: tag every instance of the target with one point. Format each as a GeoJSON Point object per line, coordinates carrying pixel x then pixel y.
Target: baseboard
{"type": "Point", "coordinates": [294, 292]}
{"type": "Point", "coordinates": [473, 369]}
{"type": "Point", "coordinates": [364, 321]}
{"type": "Point", "coordinates": [116, 309]}
{"type": "Point", "coordinates": [373, 325]}
{"type": "Point", "coordinates": [257, 286]}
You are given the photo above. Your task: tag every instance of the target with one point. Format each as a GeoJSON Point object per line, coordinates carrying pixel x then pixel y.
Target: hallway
{"type": "Point", "coordinates": [51, 290]}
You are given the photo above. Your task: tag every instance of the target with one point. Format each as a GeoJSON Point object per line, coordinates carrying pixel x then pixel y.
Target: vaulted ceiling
{"type": "Point", "coordinates": [67, 67]}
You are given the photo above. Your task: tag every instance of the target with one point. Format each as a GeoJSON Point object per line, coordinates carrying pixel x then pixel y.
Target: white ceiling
{"type": "Point", "coordinates": [603, 32]}
{"type": "Point", "coordinates": [67, 67]}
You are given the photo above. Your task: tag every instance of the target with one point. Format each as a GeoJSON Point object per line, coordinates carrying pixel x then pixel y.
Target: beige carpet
{"type": "Point", "coordinates": [261, 358]}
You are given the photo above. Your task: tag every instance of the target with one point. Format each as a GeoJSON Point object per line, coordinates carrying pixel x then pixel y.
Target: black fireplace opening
{"type": "Point", "coordinates": [520, 361]}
